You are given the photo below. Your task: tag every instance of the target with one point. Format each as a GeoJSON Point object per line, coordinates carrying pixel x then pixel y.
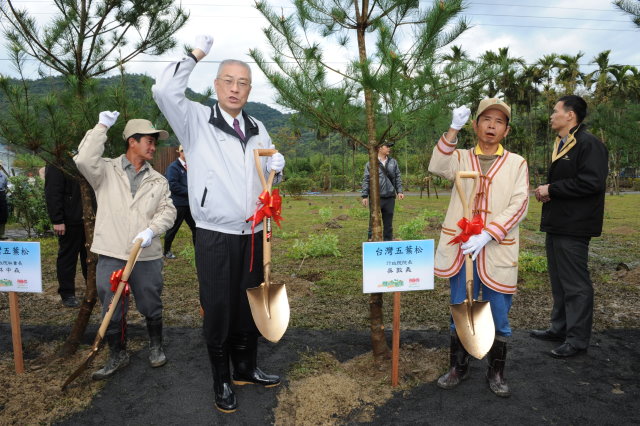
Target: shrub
{"type": "Point", "coordinates": [359, 213]}
{"type": "Point", "coordinates": [325, 213]}
{"type": "Point", "coordinates": [316, 245]}
{"type": "Point", "coordinates": [530, 262]}
{"type": "Point", "coordinates": [28, 204]}
{"type": "Point", "coordinates": [295, 186]}
{"type": "Point", "coordinates": [412, 230]}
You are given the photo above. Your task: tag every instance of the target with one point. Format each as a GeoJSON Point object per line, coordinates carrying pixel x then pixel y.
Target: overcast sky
{"type": "Point", "coordinates": [530, 28]}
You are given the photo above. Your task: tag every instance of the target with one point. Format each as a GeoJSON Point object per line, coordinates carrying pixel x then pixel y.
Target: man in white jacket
{"type": "Point", "coordinates": [133, 202]}
{"type": "Point", "coordinates": [224, 186]}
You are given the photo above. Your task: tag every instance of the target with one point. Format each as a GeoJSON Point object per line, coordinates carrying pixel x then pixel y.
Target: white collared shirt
{"type": "Point", "coordinates": [229, 119]}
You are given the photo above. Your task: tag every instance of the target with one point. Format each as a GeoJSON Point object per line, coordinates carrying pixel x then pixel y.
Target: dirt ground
{"type": "Point", "coordinates": [328, 379]}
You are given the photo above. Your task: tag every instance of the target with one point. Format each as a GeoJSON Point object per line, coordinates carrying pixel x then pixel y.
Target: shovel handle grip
{"type": "Point", "coordinates": [468, 263]}
{"type": "Point", "coordinates": [257, 153]}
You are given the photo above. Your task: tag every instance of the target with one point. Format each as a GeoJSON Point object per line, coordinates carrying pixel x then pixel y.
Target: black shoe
{"type": "Point", "coordinates": [170, 255]}
{"type": "Point", "coordinates": [566, 350]}
{"type": "Point", "coordinates": [256, 377]}
{"type": "Point", "coordinates": [546, 335]}
{"type": "Point", "coordinates": [70, 302]}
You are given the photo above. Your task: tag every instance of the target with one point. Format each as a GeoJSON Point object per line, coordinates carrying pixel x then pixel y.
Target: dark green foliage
{"type": "Point", "coordinates": [28, 204]}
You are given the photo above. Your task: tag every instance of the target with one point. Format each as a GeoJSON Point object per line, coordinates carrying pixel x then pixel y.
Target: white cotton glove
{"type": "Point", "coordinates": [475, 243]}
{"type": "Point", "coordinates": [204, 43]}
{"type": "Point", "coordinates": [460, 117]}
{"type": "Point", "coordinates": [146, 236]}
{"type": "Point", "coordinates": [275, 162]}
{"type": "Point", "coordinates": [108, 118]}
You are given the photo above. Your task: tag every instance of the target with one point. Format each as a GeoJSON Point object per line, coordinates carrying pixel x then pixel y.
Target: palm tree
{"type": "Point", "coordinates": [569, 74]}
{"type": "Point", "coordinates": [601, 77]}
{"type": "Point", "coordinates": [507, 69]}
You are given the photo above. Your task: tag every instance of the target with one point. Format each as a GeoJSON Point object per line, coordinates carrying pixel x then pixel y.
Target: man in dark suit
{"type": "Point", "coordinates": [572, 213]}
{"type": "Point", "coordinates": [176, 174]}
{"type": "Point", "coordinates": [62, 194]}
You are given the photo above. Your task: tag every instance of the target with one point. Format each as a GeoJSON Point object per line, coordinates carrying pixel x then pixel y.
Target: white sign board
{"type": "Point", "coordinates": [389, 266]}
{"type": "Point", "coordinates": [20, 267]}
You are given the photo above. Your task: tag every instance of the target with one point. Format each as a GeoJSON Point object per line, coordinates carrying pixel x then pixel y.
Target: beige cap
{"type": "Point", "coordinates": [180, 149]}
{"type": "Point", "coordinates": [143, 127]}
{"type": "Point", "coordinates": [493, 103]}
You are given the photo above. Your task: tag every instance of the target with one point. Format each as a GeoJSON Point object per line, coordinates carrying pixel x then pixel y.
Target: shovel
{"type": "Point", "coordinates": [472, 318]}
{"type": "Point", "coordinates": [97, 343]}
{"type": "Point", "coordinates": [268, 302]}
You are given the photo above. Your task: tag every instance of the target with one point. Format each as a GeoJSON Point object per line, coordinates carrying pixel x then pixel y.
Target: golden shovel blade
{"type": "Point", "coordinates": [270, 309]}
{"type": "Point", "coordinates": [474, 325]}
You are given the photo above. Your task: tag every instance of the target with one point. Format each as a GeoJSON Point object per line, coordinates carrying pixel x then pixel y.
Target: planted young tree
{"type": "Point", "coordinates": [86, 39]}
{"type": "Point", "coordinates": [387, 82]}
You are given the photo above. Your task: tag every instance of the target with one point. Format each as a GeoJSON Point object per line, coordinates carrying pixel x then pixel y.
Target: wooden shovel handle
{"type": "Point", "coordinates": [133, 257]}
{"type": "Point", "coordinates": [468, 263]}
{"type": "Point", "coordinates": [257, 153]}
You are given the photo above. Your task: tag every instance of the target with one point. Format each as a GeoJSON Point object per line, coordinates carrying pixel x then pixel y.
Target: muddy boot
{"type": "Point", "coordinates": [244, 353]}
{"type": "Point", "coordinates": [224, 395]}
{"type": "Point", "coordinates": [156, 354]}
{"type": "Point", "coordinates": [459, 363]}
{"type": "Point", "coordinates": [118, 357]}
{"type": "Point", "coordinates": [495, 373]}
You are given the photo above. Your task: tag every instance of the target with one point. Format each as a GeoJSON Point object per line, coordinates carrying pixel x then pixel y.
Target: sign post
{"type": "Point", "coordinates": [396, 266]}
{"type": "Point", "coordinates": [20, 271]}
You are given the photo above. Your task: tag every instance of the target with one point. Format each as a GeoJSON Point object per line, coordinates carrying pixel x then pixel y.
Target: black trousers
{"type": "Point", "coordinates": [222, 264]}
{"type": "Point", "coordinates": [387, 205]}
{"type": "Point", "coordinates": [571, 288]}
{"type": "Point", "coordinates": [70, 246]}
{"type": "Point", "coordinates": [183, 214]}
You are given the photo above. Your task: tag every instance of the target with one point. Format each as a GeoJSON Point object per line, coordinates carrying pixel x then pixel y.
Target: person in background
{"type": "Point", "coordinates": [572, 213]}
{"type": "Point", "coordinates": [133, 203]}
{"type": "Point", "coordinates": [176, 174]}
{"type": "Point", "coordinates": [390, 187]}
{"type": "Point", "coordinates": [64, 205]}
{"type": "Point", "coordinates": [500, 204]}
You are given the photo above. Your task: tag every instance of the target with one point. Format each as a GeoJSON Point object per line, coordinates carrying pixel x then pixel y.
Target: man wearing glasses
{"type": "Point", "coordinates": [224, 187]}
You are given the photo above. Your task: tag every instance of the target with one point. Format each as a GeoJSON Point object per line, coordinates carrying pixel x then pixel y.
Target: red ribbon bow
{"type": "Point", "coordinates": [269, 206]}
{"type": "Point", "coordinates": [116, 277]}
{"type": "Point", "coordinates": [469, 228]}
{"type": "Point", "coordinates": [115, 280]}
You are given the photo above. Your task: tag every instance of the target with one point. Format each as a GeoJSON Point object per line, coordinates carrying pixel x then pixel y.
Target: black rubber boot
{"type": "Point", "coordinates": [224, 395]}
{"type": "Point", "coordinates": [244, 354]}
{"type": "Point", "coordinates": [118, 357]}
{"type": "Point", "coordinates": [496, 358]}
{"type": "Point", "coordinates": [459, 365]}
{"type": "Point", "coordinates": [157, 357]}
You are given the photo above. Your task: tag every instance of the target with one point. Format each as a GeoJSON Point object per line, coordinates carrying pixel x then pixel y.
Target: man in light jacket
{"type": "Point", "coordinates": [133, 203]}
{"type": "Point", "coordinates": [501, 201]}
{"type": "Point", "coordinates": [224, 187]}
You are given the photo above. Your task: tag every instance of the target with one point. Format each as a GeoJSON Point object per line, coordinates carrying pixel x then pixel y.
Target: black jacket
{"type": "Point", "coordinates": [177, 177]}
{"type": "Point", "coordinates": [390, 182]}
{"type": "Point", "coordinates": [578, 182]}
{"type": "Point", "coordinates": [62, 194]}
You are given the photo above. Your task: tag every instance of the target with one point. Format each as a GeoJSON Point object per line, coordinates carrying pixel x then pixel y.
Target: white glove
{"type": "Point", "coordinates": [204, 42]}
{"type": "Point", "coordinates": [275, 162]}
{"type": "Point", "coordinates": [460, 117]}
{"type": "Point", "coordinates": [146, 236]}
{"type": "Point", "coordinates": [108, 118]}
{"type": "Point", "coordinates": [475, 243]}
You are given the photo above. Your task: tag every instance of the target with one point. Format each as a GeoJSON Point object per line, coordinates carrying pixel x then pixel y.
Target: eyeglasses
{"type": "Point", "coordinates": [228, 82]}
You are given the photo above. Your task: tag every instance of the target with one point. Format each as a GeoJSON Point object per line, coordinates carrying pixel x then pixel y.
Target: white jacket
{"type": "Point", "coordinates": [223, 182]}
{"type": "Point", "coordinates": [120, 217]}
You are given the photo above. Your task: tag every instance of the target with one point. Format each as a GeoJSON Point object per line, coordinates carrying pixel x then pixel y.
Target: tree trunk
{"type": "Point", "coordinates": [88, 302]}
{"type": "Point", "coordinates": [378, 341]}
